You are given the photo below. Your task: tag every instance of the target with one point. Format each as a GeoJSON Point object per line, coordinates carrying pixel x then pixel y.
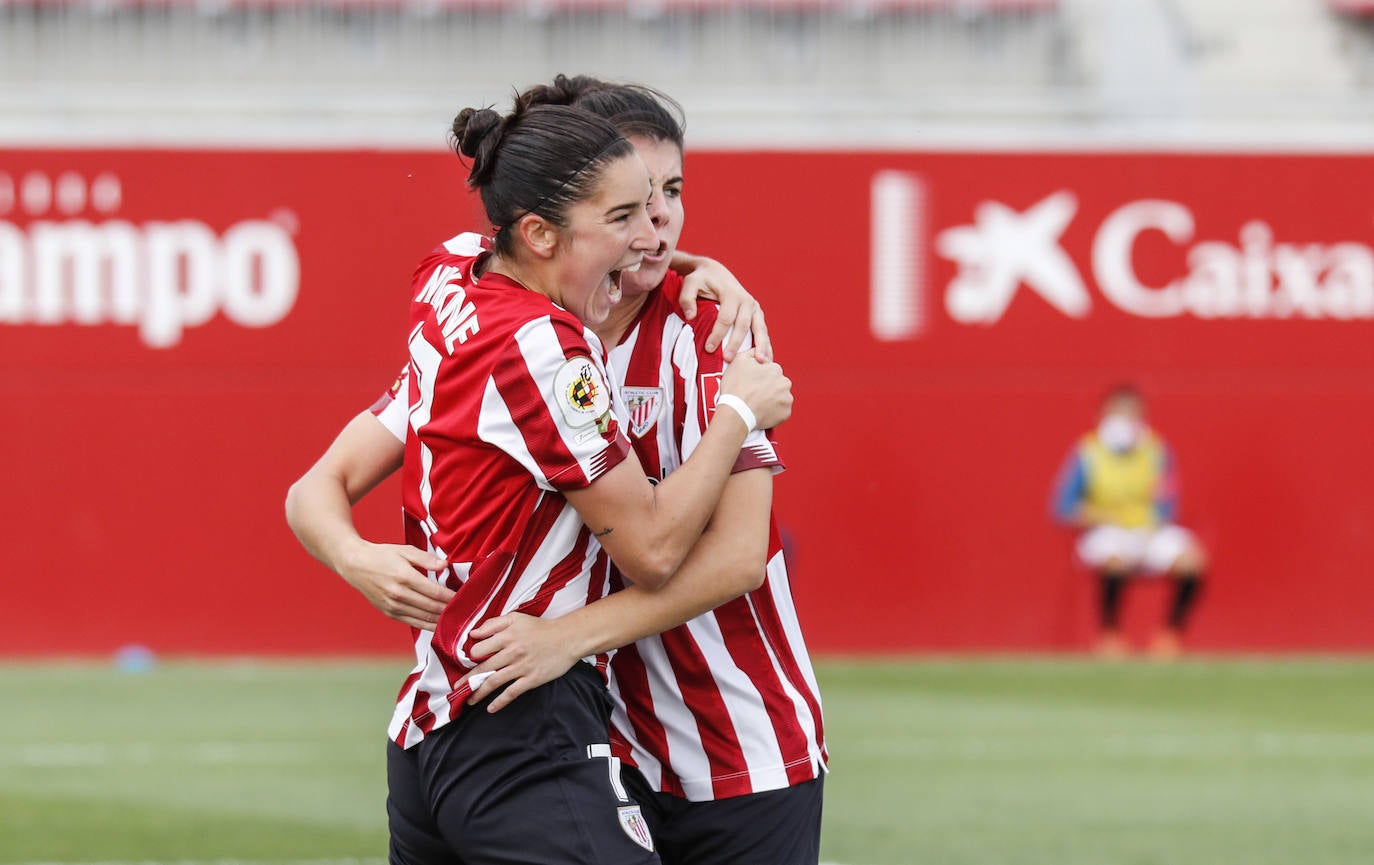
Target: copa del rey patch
{"type": "Point", "coordinates": [581, 394]}
{"type": "Point", "coordinates": [645, 405]}
{"type": "Point", "coordinates": [632, 821]}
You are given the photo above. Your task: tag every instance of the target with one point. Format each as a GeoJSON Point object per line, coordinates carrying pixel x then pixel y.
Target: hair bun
{"type": "Point", "coordinates": [563, 91]}
{"type": "Point", "coordinates": [477, 134]}
{"type": "Point", "coordinates": [472, 127]}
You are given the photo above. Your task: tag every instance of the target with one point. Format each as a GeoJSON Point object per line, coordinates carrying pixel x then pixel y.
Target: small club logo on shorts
{"type": "Point", "coordinates": [632, 821]}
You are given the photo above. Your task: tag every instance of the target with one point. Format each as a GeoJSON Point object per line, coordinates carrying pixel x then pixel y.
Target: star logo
{"type": "Point", "coordinates": [1004, 250]}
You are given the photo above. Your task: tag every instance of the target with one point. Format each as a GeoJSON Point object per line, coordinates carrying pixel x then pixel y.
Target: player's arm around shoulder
{"type": "Point", "coordinates": [730, 559]}
{"type": "Point", "coordinates": [648, 530]}
{"type": "Point", "coordinates": [360, 457]}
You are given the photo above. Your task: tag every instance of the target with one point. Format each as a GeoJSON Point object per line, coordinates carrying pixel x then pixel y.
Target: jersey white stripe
{"type": "Point", "coordinates": [779, 584]}
{"type": "Point", "coordinates": [666, 432]}
{"type": "Point", "coordinates": [466, 244]}
{"type": "Point", "coordinates": [424, 366]}
{"type": "Point", "coordinates": [496, 427]}
{"type": "Point", "coordinates": [394, 415]}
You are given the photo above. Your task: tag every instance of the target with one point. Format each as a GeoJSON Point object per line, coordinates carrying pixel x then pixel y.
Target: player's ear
{"type": "Point", "coordinates": [540, 235]}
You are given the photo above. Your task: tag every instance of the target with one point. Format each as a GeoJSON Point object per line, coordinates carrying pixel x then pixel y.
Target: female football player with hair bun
{"type": "Point", "coordinates": [518, 474]}
{"type": "Point", "coordinates": [722, 715]}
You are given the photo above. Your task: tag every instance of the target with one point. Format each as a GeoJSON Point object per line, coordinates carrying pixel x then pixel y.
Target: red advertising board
{"type": "Point", "coordinates": [181, 332]}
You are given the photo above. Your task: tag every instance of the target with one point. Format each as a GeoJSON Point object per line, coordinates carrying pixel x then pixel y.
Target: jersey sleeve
{"type": "Point", "coordinates": [548, 404]}
{"type": "Point", "coordinates": [393, 406]}
{"type": "Point", "coordinates": [1070, 485]}
{"type": "Point", "coordinates": [1166, 499]}
{"type": "Point", "coordinates": [700, 372]}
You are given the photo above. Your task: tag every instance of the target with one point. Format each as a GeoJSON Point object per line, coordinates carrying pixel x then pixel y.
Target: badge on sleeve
{"type": "Point", "coordinates": [581, 394]}
{"type": "Point", "coordinates": [645, 405]}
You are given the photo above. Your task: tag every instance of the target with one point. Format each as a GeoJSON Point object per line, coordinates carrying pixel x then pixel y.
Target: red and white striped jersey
{"type": "Point", "coordinates": [508, 406]}
{"type": "Point", "coordinates": [726, 704]}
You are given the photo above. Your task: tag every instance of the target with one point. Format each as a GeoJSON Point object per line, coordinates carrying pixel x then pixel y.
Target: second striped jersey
{"type": "Point", "coordinates": [726, 704]}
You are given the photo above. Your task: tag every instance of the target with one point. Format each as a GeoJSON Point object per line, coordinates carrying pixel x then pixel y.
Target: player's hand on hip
{"type": "Point", "coordinates": [762, 386]}
{"type": "Point", "coordinates": [386, 576]}
{"type": "Point", "coordinates": [520, 651]}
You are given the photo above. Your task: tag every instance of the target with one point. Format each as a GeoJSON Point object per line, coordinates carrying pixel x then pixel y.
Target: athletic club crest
{"type": "Point", "coordinates": [645, 405]}
{"type": "Point", "coordinates": [632, 821]}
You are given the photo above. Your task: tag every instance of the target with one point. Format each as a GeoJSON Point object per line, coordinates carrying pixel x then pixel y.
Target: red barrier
{"type": "Point", "coordinates": [182, 332]}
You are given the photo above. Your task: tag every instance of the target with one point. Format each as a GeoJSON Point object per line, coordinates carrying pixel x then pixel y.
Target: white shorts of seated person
{"type": "Point", "coordinates": [1148, 551]}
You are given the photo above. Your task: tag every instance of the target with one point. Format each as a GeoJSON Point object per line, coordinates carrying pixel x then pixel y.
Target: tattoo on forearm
{"type": "Point", "coordinates": [603, 533]}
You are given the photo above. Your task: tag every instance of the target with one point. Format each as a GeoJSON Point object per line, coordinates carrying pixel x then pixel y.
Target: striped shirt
{"type": "Point", "coordinates": [726, 704]}
{"type": "Point", "coordinates": [507, 406]}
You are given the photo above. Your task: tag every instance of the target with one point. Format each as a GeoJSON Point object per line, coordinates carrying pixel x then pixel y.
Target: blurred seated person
{"type": "Point", "coordinates": [1119, 490]}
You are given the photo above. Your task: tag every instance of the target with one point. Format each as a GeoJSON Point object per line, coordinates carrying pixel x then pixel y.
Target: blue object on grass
{"type": "Point", "coordinates": [135, 659]}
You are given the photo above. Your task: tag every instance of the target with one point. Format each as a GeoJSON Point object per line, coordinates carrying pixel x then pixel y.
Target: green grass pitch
{"type": "Point", "coordinates": [944, 762]}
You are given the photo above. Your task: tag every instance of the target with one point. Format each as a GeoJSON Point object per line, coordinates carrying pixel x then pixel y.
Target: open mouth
{"type": "Point", "coordinates": [657, 254]}
{"type": "Point", "coordinates": [613, 277]}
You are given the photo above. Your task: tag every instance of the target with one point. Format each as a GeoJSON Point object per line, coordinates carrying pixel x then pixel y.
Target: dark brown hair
{"type": "Point", "coordinates": [632, 108]}
{"type": "Point", "coordinates": [1123, 390]}
{"type": "Point", "coordinates": [537, 159]}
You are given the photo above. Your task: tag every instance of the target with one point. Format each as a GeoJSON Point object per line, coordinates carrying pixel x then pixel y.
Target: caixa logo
{"type": "Point", "coordinates": [1003, 251]}
{"type": "Point", "coordinates": [73, 261]}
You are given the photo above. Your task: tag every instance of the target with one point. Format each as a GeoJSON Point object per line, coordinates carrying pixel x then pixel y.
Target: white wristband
{"type": "Point", "coordinates": [741, 408]}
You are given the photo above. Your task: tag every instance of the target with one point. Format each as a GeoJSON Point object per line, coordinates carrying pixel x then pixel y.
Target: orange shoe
{"type": "Point", "coordinates": [1167, 645]}
{"type": "Point", "coordinates": [1111, 646]}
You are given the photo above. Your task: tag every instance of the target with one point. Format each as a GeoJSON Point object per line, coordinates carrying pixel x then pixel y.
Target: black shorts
{"type": "Point", "coordinates": [529, 785]}
{"type": "Point", "coordinates": [776, 827]}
